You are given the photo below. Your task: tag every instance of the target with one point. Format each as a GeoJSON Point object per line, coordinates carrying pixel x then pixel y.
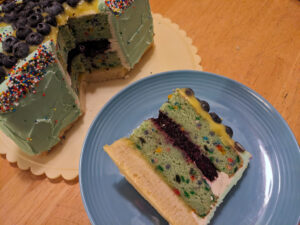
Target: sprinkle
{"type": "Point", "coordinates": [182, 178]}
{"type": "Point", "coordinates": [44, 94]}
{"type": "Point", "coordinates": [230, 160]}
{"type": "Point", "coordinates": [25, 79]}
{"type": "Point", "coordinates": [192, 177]}
{"type": "Point", "coordinates": [186, 194]}
{"type": "Point", "coordinates": [118, 6]}
{"type": "Point", "coordinates": [176, 191]}
{"type": "Point", "coordinates": [158, 150]}
{"type": "Point", "coordinates": [168, 166]}
{"type": "Point", "coordinates": [221, 149]}
{"type": "Point", "coordinates": [138, 147]}
{"type": "Point", "coordinates": [159, 167]}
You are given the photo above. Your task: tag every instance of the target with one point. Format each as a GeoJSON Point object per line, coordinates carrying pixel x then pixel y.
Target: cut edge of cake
{"type": "Point", "coordinates": [143, 174]}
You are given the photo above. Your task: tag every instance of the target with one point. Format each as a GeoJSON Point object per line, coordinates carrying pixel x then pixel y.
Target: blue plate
{"type": "Point", "coordinates": [269, 192]}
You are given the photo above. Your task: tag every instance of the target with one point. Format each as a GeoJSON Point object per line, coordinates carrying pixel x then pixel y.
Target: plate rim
{"type": "Point", "coordinates": [156, 76]}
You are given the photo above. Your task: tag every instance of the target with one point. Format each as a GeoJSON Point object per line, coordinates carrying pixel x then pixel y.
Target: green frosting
{"type": "Point", "coordinates": [183, 177]}
{"type": "Point", "coordinates": [225, 158]}
{"type": "Point", "coordinates": [39, 118]}
{"type": "Point", "coordinates": [134, 30]}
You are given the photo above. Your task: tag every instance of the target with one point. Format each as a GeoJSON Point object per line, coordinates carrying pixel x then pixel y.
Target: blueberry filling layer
{"type": "Point", "coordinates": [89, 49]}
{"type": "Point", "coordinates": [180, 139]}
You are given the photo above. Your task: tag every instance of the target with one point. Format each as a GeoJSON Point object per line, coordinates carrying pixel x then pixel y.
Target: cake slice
{"type": "Point", "coordinates": [184, 162]}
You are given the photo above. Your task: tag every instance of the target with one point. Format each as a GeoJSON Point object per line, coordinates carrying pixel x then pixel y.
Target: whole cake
{"type": "Point", "coordinates": [50, 48]}
{"type": "Point", "coordinates": [184, 162]}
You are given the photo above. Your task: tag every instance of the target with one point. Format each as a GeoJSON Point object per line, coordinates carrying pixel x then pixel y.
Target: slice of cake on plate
{"type": "Point", "coordinates": [184, 162]}
{"type": "Point", "coordinates": [49, 49]}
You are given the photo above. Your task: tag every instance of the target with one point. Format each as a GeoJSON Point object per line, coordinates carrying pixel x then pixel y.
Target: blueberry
{"type": "Point", "coordinates": [43, 28]}
{"type": "Point", "coordinates": [34, 38]}
{"type": "Point", "coordinates": [8, 43]}
{"type": "Point", "coordinates": [239, 147]}
{"type": "Point", "coordinates": [21, 50]}
{"type": "Point", "coordinates": [9, 61]}
{"type": "Point", "coordinates": [51, 20]}
{"type": "Point", "coordinates": [61, 1]}
{"type": "Point", "coordinates": [1, 58]}
{"type": "Point", "coordinates": [8, 6]}
{"type": "Point", "coordinates": [34, 19]}
{"type": "Point", "coordinates": [22, 32]}
{"type": "Point", "coordinates": [189, 92]}
{"type": "Point", "coordinates": [21, 22]}
{"type": "Point", "coordinates": [37, 10]}
{"type": "Point", "coordinates": [30, 5]}
{"type": "Point", "coordinates": [2, 74]}
{"type": "Point", "coordinates": [215, 117]}
{"type": "Point", "coordinates": [10, 17]}
{"type": "Point", "coordinates": [54, 8]}
{"type": "Point", "coordinates": [19, 8]}
{"type": "Point", "coordinates": [44, 3]}
{"type": "Point", "coordinates": [73, 3]}
{"type": "Point", "coordinates": [204, 104]}
{"type": "Point", "coordinates": [229, 131]}
{"type": "Point", "coordinates": [81, 48]}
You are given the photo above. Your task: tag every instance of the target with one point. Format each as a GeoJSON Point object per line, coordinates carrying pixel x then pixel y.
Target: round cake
{"type": "Point", "coordinates": [50, 49]}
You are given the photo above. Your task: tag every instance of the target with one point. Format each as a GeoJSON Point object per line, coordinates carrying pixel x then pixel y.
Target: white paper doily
{"type": "Point", "coordinates": [172, 50]}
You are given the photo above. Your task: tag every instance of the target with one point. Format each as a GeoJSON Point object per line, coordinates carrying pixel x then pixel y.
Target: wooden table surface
{"type": "Point", "coordinates": [254, 42]}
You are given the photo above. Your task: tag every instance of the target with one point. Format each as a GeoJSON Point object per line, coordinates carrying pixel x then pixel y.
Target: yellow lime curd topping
{"type": "Point", "coordinates": [83, 8]}
{"type": "Point", "coordinates": [219, 129]}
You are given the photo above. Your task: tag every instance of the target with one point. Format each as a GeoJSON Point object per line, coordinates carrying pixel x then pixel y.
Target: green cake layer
{"type": "Point", "coordinates": [91, 36]}
{"type": "Point", "coordinates": [183, 176]}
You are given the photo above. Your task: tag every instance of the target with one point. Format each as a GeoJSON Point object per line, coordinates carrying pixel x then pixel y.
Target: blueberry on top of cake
{"type": "Point", "coordinates": [184, 161]}
{"type": "Point", "coordinates": [49, 49]}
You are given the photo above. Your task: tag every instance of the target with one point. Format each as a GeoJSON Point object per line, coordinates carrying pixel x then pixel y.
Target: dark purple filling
{"type": "Point", "coordinates": [181, 140]}
{"type": "Point", "coordinates": [89, 48]}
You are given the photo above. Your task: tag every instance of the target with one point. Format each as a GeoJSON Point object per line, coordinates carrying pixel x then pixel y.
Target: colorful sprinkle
{"type": "Point", "coordinates": [176, 191]}
{"type": "Point", "coordinates": [25, 79]}
{"type": "Point", "coordinates": [159, 167]}
{"type": "Point", "coordinates": [118, 6]}
{"type": "Point", "coordinates": [158, 150]}
{"type": "Point", "coordinates": [186, 194]}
